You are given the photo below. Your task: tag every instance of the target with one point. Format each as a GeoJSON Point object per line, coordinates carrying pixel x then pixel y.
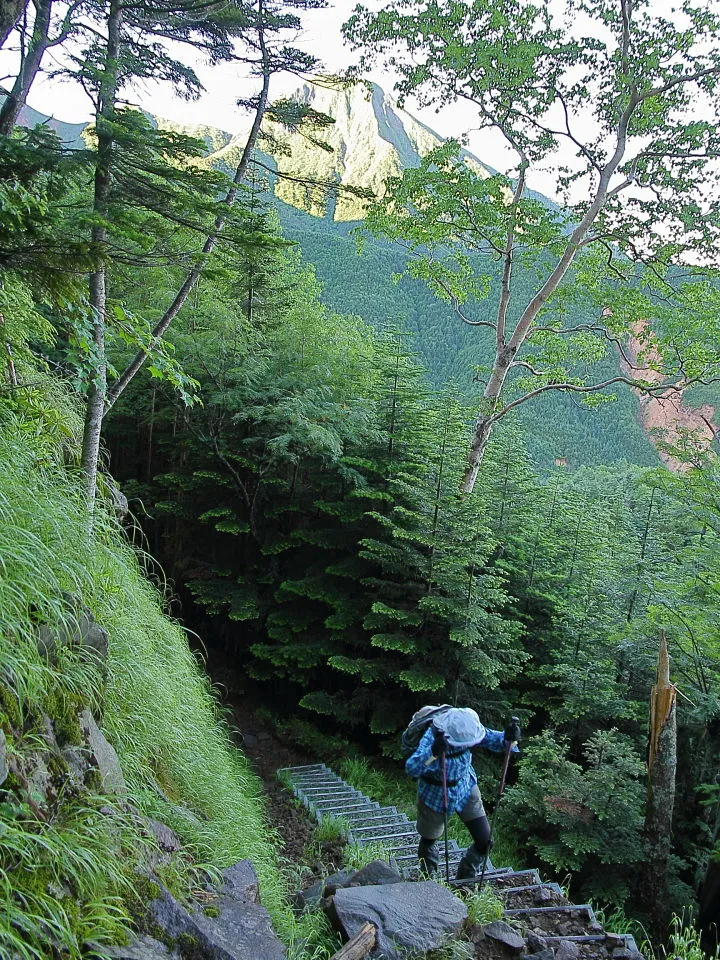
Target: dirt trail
{"type": "Point", "coordinates": [267, 753]}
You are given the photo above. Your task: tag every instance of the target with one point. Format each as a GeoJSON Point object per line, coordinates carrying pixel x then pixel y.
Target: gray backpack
{"type": "Point", "coordinates": [418, 725]}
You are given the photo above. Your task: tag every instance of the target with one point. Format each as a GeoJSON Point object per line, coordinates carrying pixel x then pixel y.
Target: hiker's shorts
{"type": "Point", "coordinates": [430, 823]}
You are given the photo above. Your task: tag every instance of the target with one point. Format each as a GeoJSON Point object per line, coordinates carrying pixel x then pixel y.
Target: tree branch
{"type": "Point", "coordinates": [191, 279]}
{"type": "Point", "coordinates": [655, 390]}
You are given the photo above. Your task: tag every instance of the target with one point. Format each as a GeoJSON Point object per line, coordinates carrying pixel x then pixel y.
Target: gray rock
{"type": "Point", "coordinates": [47, 640]}
{"type": "Point", "coordinates": [119, 502]}
{"type": "Point", "coordinates": [3, 757]}
{"type": "Point", "coordinates": [144, 948]}
{"type": "Point", "coordinates": [505, 934]}
{"type": "Point", "coordinates": [39, 779]}
{"type": "Point", "coordinates": [614, 940]}
{"type": "Point", "coordinates": [241, 882]}
{"type": "Point", "coordinates": [79, 630]}
{"type": "Point", "coordinates": [621, 953]}
{"type": "Point", "coordinates": [536, 942]}
{"type": "Point", "coordinates": [542, 895]}
{"type": "Point", "coordinates": [93, 638]}
{"type": "Point", "coordinates": [310, 898]}
{"type": "Point", "coordinates": [48, 733]}
{"type": "Point", "coordinates": [547, 954]}
{"type": "Point", "coordinates": [78, 764]}
{"type": "Point", "coordinates": [567, 950]}
{"type": "Point", "coordinates": [166, 838]}
{"type": "Point", "coordinates": [375, 873]}
{"type": "Point", "coordinates": [408, 916]}
{"type": "Point", "coordinates": [340, 879]}
{"type": "Point", "coordinates": [103, 753]}
{"type": "Point", "coordinates": [228, 929]}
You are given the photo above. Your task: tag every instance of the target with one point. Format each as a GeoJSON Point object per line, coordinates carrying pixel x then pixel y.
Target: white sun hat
{"type": "Point", "coordinates": [461, 726]}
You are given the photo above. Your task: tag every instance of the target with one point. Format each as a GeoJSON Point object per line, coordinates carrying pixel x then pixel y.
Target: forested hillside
{"type": "Point", "coordinates": [365, 276]}
{"type": "Point", "coordinates": [369, 464]}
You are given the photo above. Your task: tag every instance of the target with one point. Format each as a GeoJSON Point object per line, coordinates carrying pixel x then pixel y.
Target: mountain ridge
{"type": "Point", "coordinates": [370, 140]}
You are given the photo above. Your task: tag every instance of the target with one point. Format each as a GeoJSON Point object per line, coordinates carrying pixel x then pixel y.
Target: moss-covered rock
{"type": "Point", "coordinates": [11, 717]}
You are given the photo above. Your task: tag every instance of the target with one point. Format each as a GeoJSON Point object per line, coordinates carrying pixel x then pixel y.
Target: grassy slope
{"type": "Point", "coordinates": [158, 710]}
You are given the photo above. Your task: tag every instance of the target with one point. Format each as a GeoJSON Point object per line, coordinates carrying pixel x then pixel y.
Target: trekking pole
{"type": "Point", "coordinates": [445, 817]}
{"type": "Point", "coordinates": [506, 766]}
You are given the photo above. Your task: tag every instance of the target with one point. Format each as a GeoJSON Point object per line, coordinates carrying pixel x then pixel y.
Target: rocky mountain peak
{"type": "Point", "coordinates": [371, 139]}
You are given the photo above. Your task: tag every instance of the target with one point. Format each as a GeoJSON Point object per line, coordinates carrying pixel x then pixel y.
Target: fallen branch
{"type": "Point", "coordinates": [359, 946]}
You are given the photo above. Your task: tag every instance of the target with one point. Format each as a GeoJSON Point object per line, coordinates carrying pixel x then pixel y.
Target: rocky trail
{"type": "Point", "coordinates": [538, 919]}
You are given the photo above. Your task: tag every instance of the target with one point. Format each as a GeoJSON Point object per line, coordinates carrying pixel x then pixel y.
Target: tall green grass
{"type": "Point", "coordinates": [158, 711]}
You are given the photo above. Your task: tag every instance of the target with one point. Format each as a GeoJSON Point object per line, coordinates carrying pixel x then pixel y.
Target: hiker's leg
{"type": "Point", "coordinates": [430, 825]}
{"type": "Point", "coordinates": [429, 857]}
{"type": "Point", "coordinates": [473, 816]}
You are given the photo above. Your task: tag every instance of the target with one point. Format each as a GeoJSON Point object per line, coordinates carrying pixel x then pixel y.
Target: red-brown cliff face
{"type": "Point", "coordinates": [666, 419]}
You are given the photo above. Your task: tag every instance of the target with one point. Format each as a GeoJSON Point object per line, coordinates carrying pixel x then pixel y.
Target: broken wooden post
{"type": "Point", "coordinates": [358, 946]}
{"type": "Point", "coordinates": [662, 762]}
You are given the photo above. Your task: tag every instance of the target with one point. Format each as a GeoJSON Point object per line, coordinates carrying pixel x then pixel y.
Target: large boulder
{"type": "Point", "coordinates": [233, 926]}
{"type": "Point", "coordinates": [414, 917]}
{"type": "Point", "coordinates": [144, 948]}
{"type": "Point", "coordinates": [104, 756]}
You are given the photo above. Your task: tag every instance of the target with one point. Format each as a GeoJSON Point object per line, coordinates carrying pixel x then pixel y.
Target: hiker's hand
{"type": "Point", "coordinates": [440, 744]}
{"type": "Point", "coordinates": [513, 733]}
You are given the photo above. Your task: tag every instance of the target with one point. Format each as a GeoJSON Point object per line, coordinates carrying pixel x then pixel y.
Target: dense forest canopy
{"type": "Point", "coordinates": [294, 466]}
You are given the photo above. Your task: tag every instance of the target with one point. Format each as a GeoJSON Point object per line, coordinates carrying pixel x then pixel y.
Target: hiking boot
{"type": "Point", "coordinates": [471, 864]}
{"type": "Point", "coordinates": [429, 857]}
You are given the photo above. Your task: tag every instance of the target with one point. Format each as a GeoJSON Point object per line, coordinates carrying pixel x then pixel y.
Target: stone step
{"type": "Point", "coordinates": [511, 891]}
{"type": "Point", "coordinates": [339, 809]}
{"type": "Point", "coordinates": [326, 791]}
{"type": "Point", "coordinates": [327, 803]}
{"type": "Point", "coordinates": [401, 822]}
{"type": "Point", "coordinates": [563, 908]}
{"type": "Point", "coordinates": [385, 816]}
{"type": "Point", "coordinates": [388, 831]}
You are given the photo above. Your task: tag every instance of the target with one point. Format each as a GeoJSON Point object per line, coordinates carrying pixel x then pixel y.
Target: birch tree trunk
{"type": "Point", "coordinates": [98, 293]}
{"type": "Point", "coordinates": [506, 348]}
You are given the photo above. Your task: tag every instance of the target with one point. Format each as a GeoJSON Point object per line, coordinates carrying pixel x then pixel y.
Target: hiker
{"type": "Point", "coordinates": [452, 731]}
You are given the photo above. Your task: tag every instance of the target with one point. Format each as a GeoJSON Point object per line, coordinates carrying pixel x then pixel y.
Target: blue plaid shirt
{"type": "Point", "coordinates": [459, 770]}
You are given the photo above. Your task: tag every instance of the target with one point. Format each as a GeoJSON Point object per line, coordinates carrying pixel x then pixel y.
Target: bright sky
{"type": "Point", "coordinates": [225, 84]}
